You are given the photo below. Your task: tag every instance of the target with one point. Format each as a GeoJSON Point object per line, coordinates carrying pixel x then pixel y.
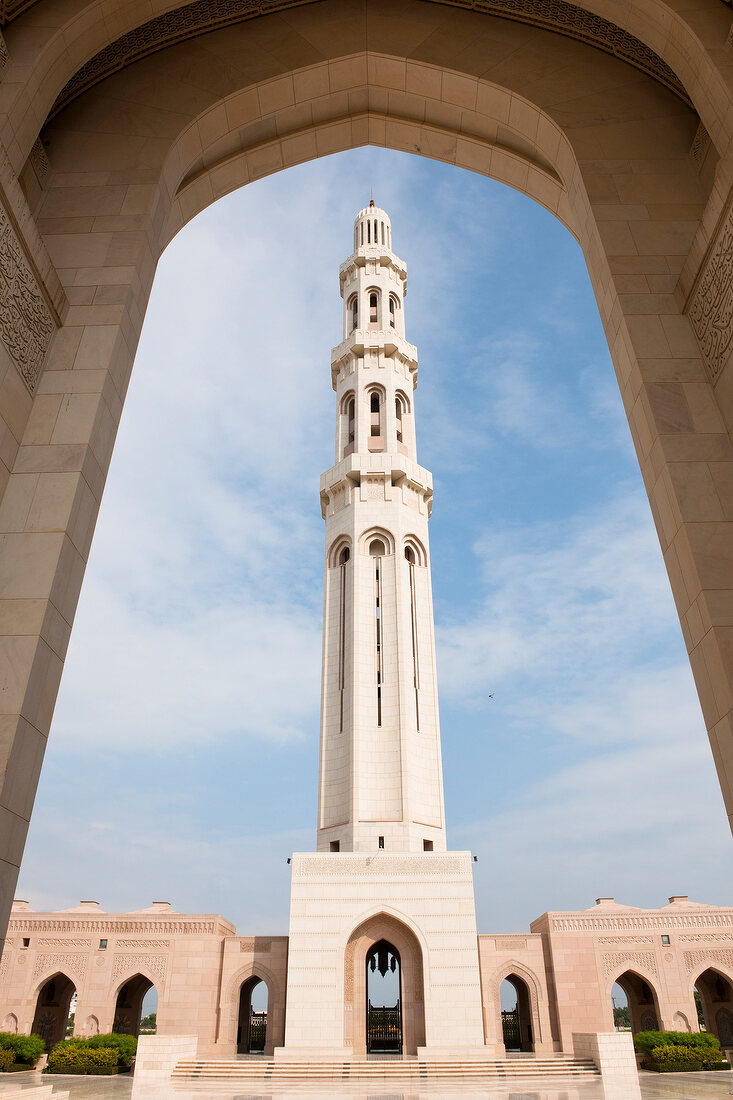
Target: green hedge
{"type": "Point", "coordinates": [26, 1048]}
{"type": "Point", "coordinates": [6, 1060]}
{"type": "Point", "coordinates": [72, 1056]}
{"type": "Point", "coordinates": [646, 1040]}
{"type": "Point", "coordinates": [124, 1045]}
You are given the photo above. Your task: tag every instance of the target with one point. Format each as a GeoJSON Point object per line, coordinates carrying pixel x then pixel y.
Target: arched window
{"type": "Point", "coordinates": [410, 555]}
{"type": "Point", "coordinates": [374, 408]}
{"type": "Point", "coordinates": [350, 421]}
{"type": "Point", "coordinates": [344, 556]}
{"type": "Point", "coordinates": [353, 311]}
{"type": "Point", "coordinates": [377, 549]}
{"type": "Point", "coordinates": [398, 418]}
{"type": "Point", "coordinates": [392, 310]}
{"type": "Point", "coordinates": [373, 302]}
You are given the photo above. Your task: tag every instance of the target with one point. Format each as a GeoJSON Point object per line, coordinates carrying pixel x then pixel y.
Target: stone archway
{"type": "Point", "coordinates": [643, 1001]}
{"type": "Point", "coordinates": [716, 997]}
{"type": "Point", "coordinates": [129, 1003]}
{"type": "Point", "coordinates": [52, 1009]}
{"type": "Point", "coordinates": [613, 145]}
{"type": "Point", "coordinates": [238, 989]}
{"type": "Point", "coordinates": [362, 940]}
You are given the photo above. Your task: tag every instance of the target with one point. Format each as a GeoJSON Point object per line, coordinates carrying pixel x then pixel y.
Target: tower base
{"type": "Point", "coordinates": [423, 905]}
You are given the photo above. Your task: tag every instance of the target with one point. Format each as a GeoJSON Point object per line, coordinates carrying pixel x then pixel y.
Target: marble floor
{"type": "Point", "coordinates": [679, 1086]}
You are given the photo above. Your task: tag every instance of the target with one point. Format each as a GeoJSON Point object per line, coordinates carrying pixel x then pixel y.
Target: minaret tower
{"type": "Point", "coordinates": [381, 878]}
{"type": "Point", "coordinates": [380, 783]}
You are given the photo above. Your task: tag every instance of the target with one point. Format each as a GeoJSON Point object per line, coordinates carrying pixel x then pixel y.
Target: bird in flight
{"type": "Point", "coordinates": [491, 696]}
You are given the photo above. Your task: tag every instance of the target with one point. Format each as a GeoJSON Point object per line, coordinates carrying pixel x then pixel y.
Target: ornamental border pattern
{"type": "Point", "coordinates": [26, 322]}
{"type": "Point", "coordinates": [629, 924]}
{"type": "Point", "coordinates": [710, 305]}
{"type": "Point", "coordinates": [197, 928]}
{"type": "Point", "coordinates": [326, 866]}
{"type": "Point", "coordinates": [204, 16]}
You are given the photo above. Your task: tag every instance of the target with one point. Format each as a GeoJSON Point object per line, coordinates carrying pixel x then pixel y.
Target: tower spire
{"type": "Point", "coordinates": [380, 774]}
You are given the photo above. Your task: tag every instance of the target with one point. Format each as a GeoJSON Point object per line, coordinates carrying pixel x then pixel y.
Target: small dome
{"type": "Point", "coordinates": [373, 212]}
{"type": "Point", "coordinates": [372, 227]}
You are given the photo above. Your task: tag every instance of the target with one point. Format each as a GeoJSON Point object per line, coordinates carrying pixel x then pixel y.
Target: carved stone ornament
{"type": "Point", "coordinates": [153, 966]}
{"type": "Point", "coordinates": [39, 160]}
{"type": "Point", "coordinates": [631, 960]}
{"type": "Point", "coordinates": [710, 308]}
{"type": "Point", "coordinates": [694, 959]}
{"type": "Point", "coordinates": [26, 323]}
{"type": "Point", "coordinates": [3, 53]}
{"type": "Point", "coordinates": [73, 965]}
{"type": "Point", "coordinates": [204, 16]}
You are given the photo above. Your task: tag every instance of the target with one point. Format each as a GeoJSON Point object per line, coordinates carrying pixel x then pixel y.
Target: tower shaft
{"type": "Point", "coordinates": [380, 781]}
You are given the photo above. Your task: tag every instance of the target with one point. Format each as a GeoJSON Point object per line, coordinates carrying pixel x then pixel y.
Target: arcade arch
{"type": "Point", "coordinates": [642, 1000]}
{"type": "Point", "coordinates": [252, 1017]}
{"type": "Point", "coordinates": [53, 1004]}
{"type": "Point", "coordinates": [716, 1001]}
{"type": "Point", "coordinates": [129, 1004]}
{"type": "Point", "coordinates": [644, 255]}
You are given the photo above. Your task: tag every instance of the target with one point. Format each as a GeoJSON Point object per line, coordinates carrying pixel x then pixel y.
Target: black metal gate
{"type": "Point", "coordinates": [384, 1030]}
{"type": "Point", "coordinates": [510, 1029]}
{"type": "Point", "coordinates": [257, 1032]}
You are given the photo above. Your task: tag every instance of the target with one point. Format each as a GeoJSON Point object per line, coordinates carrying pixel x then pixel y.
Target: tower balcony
{"type": "Point", "coordinates": [361, 340]}
{"type": "Point", "coordinates": [394, 467]}
{"type": "Point", "coordinates": [375, 253]}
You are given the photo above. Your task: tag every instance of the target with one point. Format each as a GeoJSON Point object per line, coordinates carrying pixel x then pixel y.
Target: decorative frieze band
{"type": "Point", "coordinates": [326, 866]}
{"type": "Point", "coordinates": [26, 323]}
{"type": "Point", "coordinates": [197, 928]}
{"type": "Point", "coordinates": [611, 940]}
{"type": "Point", "coordinates": [628, 924]}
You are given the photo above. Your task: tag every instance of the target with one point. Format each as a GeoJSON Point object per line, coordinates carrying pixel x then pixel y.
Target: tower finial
{"type": "Point", "coordinates": [371, 200]}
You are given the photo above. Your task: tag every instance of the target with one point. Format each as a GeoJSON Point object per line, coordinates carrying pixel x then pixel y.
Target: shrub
{"type": "Point", "coordinates": [692, 1056]}
{"type": "Point", "coordinates": [647, 1040]}
{"type": "Point", "coordinates": [73, 1056]}
{"type": "Point", "coordinates": [27, 1048]}
{"type": "Point", "coordinates": [7, 1058]}
{"type": "Point", "coordinates": [124, 1045]}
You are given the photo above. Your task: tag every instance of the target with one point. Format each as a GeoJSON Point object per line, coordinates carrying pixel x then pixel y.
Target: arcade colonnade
{"type": "Point", "coordinates": [564, 970]}
{"type": "Point", "coordinates": [120, 122]}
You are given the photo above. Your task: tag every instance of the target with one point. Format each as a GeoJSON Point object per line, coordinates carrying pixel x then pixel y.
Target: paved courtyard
{"type": "Point", "coordinates": [680, 1086]}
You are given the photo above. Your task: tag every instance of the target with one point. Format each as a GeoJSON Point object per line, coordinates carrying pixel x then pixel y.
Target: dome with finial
{"type": "Point", "coordinates": [372, 227]}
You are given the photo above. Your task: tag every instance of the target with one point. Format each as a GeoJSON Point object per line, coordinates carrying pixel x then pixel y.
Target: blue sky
{"type": "Point", "coordinates": [183, 758]}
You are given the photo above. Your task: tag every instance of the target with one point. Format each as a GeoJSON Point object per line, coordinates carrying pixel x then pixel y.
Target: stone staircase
{"type": "Point", "coordinates": [251, 1070]}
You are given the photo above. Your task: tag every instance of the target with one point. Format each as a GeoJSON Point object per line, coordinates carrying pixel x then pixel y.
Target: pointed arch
{"type": "Point", "coordinates": [343, 542]}
{"type": "Point", "coordinates": [254, 969]}
{"type": "Point", "coordinates": [398, 932]}
{"type": "Point", "coordinates": [529, 1005]}
{"type": "Point", "coordinates": [51, 1013]}
{"type": "Point", "coordinates": [367, 537]}
{"type": "Point", "coordinates": [714, 983]}
{"type": "Point", "coordinates": [642, 995]}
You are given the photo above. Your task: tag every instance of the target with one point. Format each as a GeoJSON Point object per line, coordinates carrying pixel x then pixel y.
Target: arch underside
{"type": "Point", "coordinates": [203, 16]}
